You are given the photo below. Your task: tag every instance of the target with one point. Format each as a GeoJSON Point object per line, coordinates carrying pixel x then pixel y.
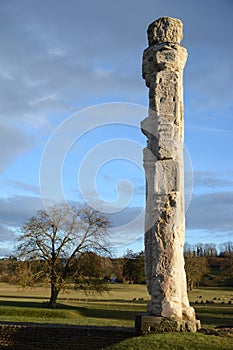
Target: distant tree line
{"type": "Point", "coordinates": [208, 264]}
{"type": "Point", "coordinates": [30, 272]}
{"type": "Point", "coordinates": [205, 265]}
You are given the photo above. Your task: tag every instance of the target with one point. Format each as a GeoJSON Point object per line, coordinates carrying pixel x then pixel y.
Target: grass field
{"type": "Point", "coordinates": [175, 341]}
{"type": "Point", "coordinates": [118, 307]}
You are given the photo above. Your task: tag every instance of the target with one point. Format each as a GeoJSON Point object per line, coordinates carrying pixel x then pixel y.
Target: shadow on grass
{"type": "Point", "coordinates": [83, 299]}
{"type": "Point", "coordinates": [209, 315]}
{"type": "Point", "coordinates": [90, 311]}
{"type": "Point", "coordinates": [35, 304]}
{"type": "Point", "coordinates": [108, 314]}
{"type": "Point", "coordinates": [215, 315]}
{"type": "Point", "coordinates": [216, 309]}
{"type": "Point", "coordinates": [26, 304]}
{"type": "Point", "coordinates": [21, 297]}
{"type": "Point", "coordinates": [209, 320]}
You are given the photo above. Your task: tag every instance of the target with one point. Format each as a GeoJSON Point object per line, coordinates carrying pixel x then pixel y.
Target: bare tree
{"type": "Point", "coordinates": [210, 249]}
{"type": "Point", "coordinates": [226, 248]}
{"type": "Point", "coordinates": [59, 236]}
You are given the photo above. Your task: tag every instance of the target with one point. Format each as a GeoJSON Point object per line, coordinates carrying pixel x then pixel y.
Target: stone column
{"type": "Point", "coordinates": [163, 64]}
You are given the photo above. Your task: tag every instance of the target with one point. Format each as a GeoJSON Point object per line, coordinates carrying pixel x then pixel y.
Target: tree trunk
{"type": "Point", "coordinates": [53, 297]}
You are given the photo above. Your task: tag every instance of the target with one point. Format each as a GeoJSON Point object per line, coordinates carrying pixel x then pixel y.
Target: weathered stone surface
{"type": "Point", "coordinates": [163, 64]}
{"type": "Point", "coordinates": [146, 323]}
{"type": "Point", "coordinates": [165, 29]}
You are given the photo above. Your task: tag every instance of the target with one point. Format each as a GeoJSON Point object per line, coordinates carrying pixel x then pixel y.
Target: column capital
{"type": "Point", "coordinates": [165, 29]}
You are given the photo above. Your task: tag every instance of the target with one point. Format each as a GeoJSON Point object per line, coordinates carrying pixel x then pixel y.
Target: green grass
{"type": "Point", "coordinates": [175, 341]}
{"type": "Point", "coordinates": [116, 308]}
{"type": "Point", "coordinates": [209, 293]}
{"type": "Point", "coordinates": [215, 315]}
{"type": "Point", "coordinates": [91, 313]}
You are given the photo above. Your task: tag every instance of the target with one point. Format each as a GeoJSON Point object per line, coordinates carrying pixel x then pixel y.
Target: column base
{"type": "Point", "coordinates": [146, 323]}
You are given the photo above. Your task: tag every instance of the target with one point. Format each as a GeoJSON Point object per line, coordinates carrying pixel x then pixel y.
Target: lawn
{"type": "Point", "coordinates": [115, 308]}
{"type": "Point", "coordinates": [175, 341]}
{"type": "Point", "coordinates": [118, 307]}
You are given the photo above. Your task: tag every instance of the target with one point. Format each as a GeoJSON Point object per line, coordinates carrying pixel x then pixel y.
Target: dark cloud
{"type": "Point", "coordinates": [60, 55]}
{"type": "Point", "coordinates": [57, 55]}
{"type": "Point", "coordinates": [141, 190]}
{"type": "Point", "coordinates": [54, 60]}
{"type": "Point", "coordinates": [17, 209]}
{"type": "Point", "coordinates": [5, 252]}
{"type": "Point", "coordinates": [13, 143]}
{"type": "Point", "coordinates": [210, 179]}
{"type": "Point", "coordinates": [126, 226]}
{"type": "Point", "coordinates": [211, 212]}
{"type": "Point", "coordinates": [125, 216]}
{"type": "Point", "coordinates": [6, 234]}
{"type": "Point", "coordinates": [24, 186]}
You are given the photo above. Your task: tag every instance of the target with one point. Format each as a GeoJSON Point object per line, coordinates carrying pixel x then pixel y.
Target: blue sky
{"type": "Point", "coordinates": [60, 57]}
